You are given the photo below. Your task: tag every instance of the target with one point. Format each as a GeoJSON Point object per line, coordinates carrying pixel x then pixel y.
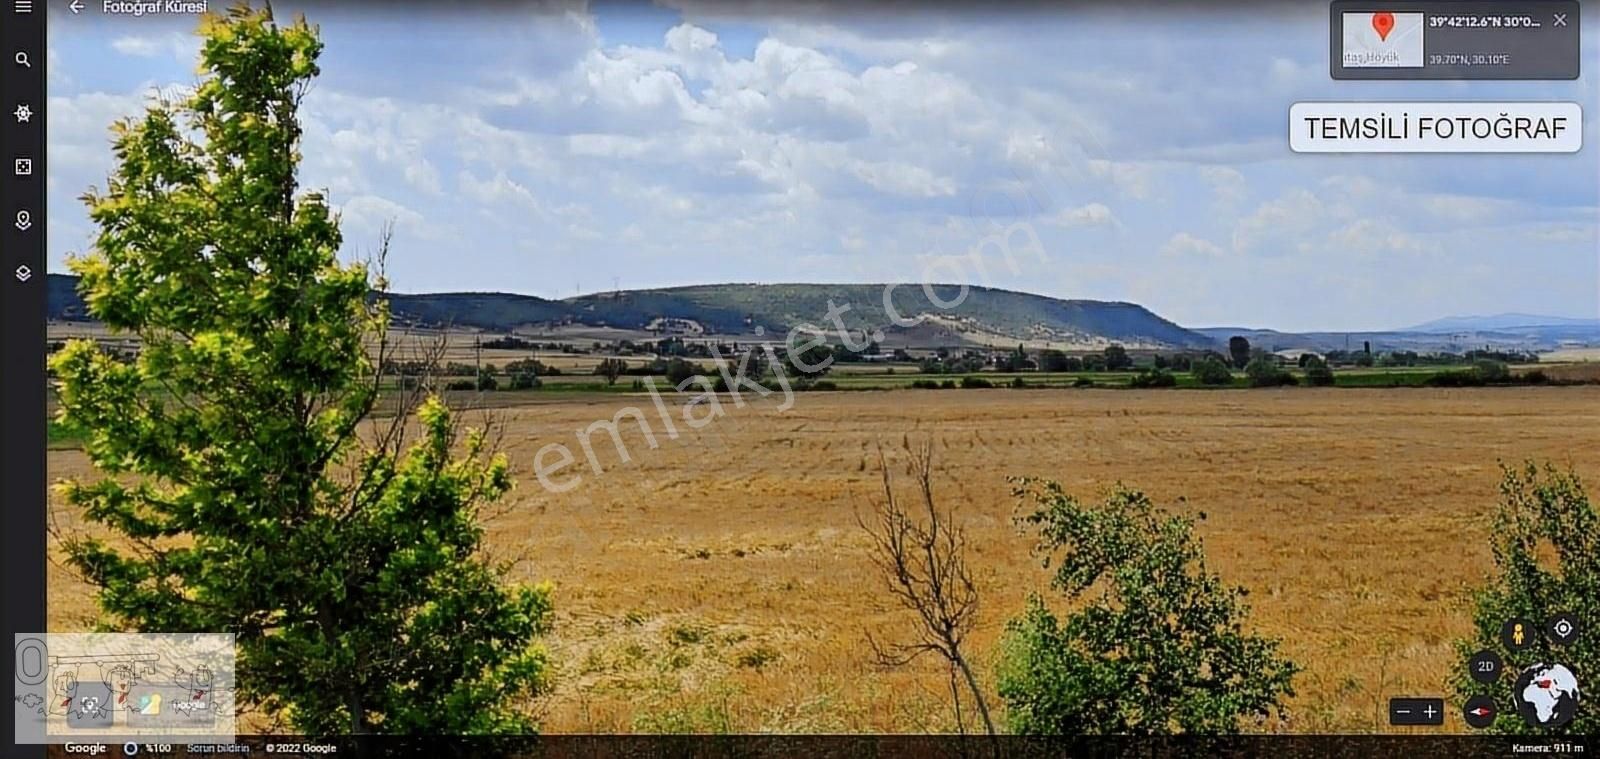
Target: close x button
{"type": "Point", "coordinates": [1416, 711]}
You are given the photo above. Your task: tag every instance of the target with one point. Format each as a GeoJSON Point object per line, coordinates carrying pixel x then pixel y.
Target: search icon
{"type": "Point", "coordinates": [22, 59]}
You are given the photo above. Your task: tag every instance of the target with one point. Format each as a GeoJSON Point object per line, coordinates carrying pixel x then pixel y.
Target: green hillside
{"type": "Point", "coordinates": [1002, 312]}
{"type": "Point", "coordinates": [740, 308]}
{"type": "Point", "coordinates": [502, 311]}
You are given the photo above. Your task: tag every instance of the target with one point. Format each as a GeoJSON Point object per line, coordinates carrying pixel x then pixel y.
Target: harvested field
{"type": "Point", "coordinates": [719, 581]}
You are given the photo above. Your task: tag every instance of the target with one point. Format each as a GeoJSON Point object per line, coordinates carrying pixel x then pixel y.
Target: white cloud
{"type": "Point", "coordinates": [1132, 178]}
{"type": "Point", "coordinates": [1375, 237]}
{"type": "Point", "coordinates": [1281, 225]}
{"type": "Point", "coordinates": [181, 47]}
{"type": "Point", "coordinates": [366, 215]}
{"type": "Point", "coordinates": [497, 190]}
{"type": "Point", "coordinates": [851, 143]}
{"type": "Point", "coordinates": [1184, 245]}
{"type": "Point", "coordinates": [903, 179]}
{"type": "Point", "coordinates": [1227, 183]}
{"type": "Point", "coordinates": [1089, 215]}
{"type": "Point", "coordinates": [1465, 208]}
{"type": "Point", "coordinates": [1589, 233]}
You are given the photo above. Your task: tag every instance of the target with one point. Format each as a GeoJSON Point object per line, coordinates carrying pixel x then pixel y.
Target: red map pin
{"type": "Point", "coordinates": [1384, 23]}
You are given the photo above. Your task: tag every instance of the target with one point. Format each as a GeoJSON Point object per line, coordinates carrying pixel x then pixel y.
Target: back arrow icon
{"type": "Point", "coordinates": [76, 6]}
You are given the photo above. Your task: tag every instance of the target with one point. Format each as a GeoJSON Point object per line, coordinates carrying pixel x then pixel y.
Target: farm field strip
{"type": "Point", "coordinates": [721, 578]}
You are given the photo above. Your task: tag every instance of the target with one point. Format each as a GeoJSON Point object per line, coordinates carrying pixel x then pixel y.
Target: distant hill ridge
{"type": "Point", "coordinates": [984, 314]}
{"type": "Point", "coordinates": [1500, 322]}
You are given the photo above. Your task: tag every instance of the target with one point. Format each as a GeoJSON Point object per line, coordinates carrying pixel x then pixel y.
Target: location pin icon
{"type": "Point", "coordinates": [1383, 23]}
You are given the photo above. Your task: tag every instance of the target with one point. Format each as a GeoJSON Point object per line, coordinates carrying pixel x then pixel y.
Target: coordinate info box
{"type": "Point", "coordinates": [1454, 39]}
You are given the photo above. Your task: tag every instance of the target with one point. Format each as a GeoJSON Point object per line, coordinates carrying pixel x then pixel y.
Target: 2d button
{"type": "Point", "coordinates": [1562, 629]}
{"type": "Point", "coordinates": [1485, 666]}
{"type": "Point", "coordinates": [1480, 711]}
{"type": "Point", "coordinates": [1517, 634]}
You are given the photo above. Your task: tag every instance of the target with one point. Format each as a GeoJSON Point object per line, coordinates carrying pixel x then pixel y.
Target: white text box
{"type": "Point", "coordinates": [1392, 127]}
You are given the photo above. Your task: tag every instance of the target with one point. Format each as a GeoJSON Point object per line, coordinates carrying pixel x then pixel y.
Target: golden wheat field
{"type": "Point", "coordinates": [719, 582]}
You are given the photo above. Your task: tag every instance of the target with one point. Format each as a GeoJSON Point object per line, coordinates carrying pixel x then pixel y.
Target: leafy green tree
{"type": "Point", "coordinates": [1317, 371]}
{"type": "Point", "coordinates": [611, 369]}
{"type": "Point", "coordinates": [1156, 642]}
{"type": "Point", "coordinates": [1117, 358]}
{"type": "Point", "coordinates": [1265, 372]}
{"type": "Point", "coordinates": [524, 374]}
{"type": "Point", "coordinates": [1015, 361]}
{"type": "Point", "coordinates": [244, 488]}
{"type": "Point", "coordinates": [1211, 371]}
{"type": "Point", "coordinates": [1052, 360]}
{"type": "Point", "coordinates": [1239, 350]}
{"type": "Point", "coordinates": [810, 363]}
{"type": "Point", "coordinates": [679, 371]}
{"type": "Point", "coordinates": [1545, 539]}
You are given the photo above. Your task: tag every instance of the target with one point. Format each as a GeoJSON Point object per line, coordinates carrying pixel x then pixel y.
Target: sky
{"type": "Point", "coordinates": [556, 149]}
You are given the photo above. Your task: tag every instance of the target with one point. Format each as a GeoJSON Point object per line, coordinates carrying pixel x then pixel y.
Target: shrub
{"type": "Point", "coordinates": [1491, 371]}
{"type": "Point", "coordinates": [1545, 540]}
{"type": "Point", "coordinates": [527, 381]}
{"type": "Point", "coordinates": [688, 634]}
{"type": "Point", "coordinates": [757, 657]}
{"type": "Point", "coordinates": [1265, 372]}
{"type": "Point", "coordinates": [1210, 371]}
{"type": "Point", "coordinates": [1459, 378]}
{"type": "Point", "coordinates": [1535, 377]}
{"type": "Point", "coordinates": [1155, 644]}
{"type": "Point", "coordinates": [947, 384]}
{"type": "Point", "coordinates": [1317, 371]}
{"type": "Point", "coordinates": [1017, 382]}
{"type": "Point", "coordinates": [924, 385]}
{"type": "Point", "coordinates": [1154, 378]}
{"type": "Point", "coordinates": [970, 382]}
{"type": "Point", "coordinates": [1083, 382]}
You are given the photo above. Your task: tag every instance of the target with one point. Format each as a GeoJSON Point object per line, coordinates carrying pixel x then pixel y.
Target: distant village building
{"type": "Point", "coordinates": [1292, 356]}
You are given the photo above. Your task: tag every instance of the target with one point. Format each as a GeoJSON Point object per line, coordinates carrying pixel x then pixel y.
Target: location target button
{"type": "Point", "coordinates": [1562, 629]}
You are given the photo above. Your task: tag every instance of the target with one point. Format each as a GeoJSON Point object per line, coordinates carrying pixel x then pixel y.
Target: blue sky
{"type": "Point", "coordinates": [553, 149]}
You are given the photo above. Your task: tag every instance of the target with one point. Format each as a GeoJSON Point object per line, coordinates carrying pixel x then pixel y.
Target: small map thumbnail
{"type": "Point", "coordinates": [1382, 40]}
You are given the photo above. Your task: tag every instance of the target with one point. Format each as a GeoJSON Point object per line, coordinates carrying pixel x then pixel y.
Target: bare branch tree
{"type": "Point", "coordinates": [921, 551]}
